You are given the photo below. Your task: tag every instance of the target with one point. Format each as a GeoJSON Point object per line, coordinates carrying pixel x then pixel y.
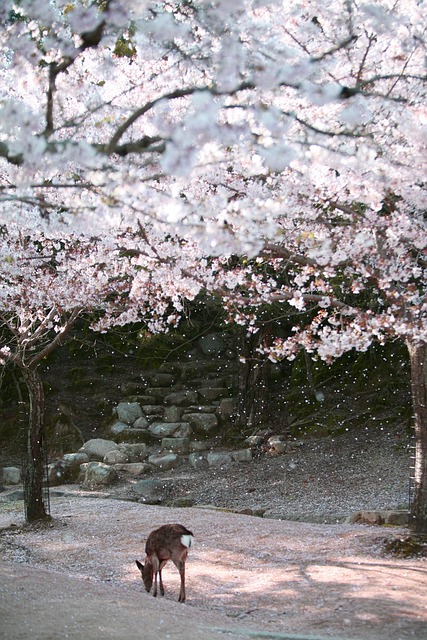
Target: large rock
{"type": "Point", "coordinates": [172, 414]}
{"type": "Point", "coordinates": [97, 474]}
{"type": "Point", "coordinates": [128, 412]}
{"type": "Point", "coordinates": [74, 460]}
{"type": "Point", "coordinates": [11, 475]}
{"type": "Point", "coordinates": [115, 457]}
{"type": "Point", "coordinates": [198, 445]}
{"type": "Point", "coordinates": [219, 459]}
{"type": "Point", "coordinates": [97, 448]}
{"type": "Point", "coordinates": [211, 344]}
{"type": "Point", "coordinates": [140, 423]}
{"type": "Point", "coordinates": [117, 428]}
{"type": "Point", "coordinates": [67, 469]}
{"type": "Point", "coordinates": [201, 422]}
{"type": "Point", "coordinates": [133, 469]}
{"type": "Point", "coordinates": [243, 455]}
{"type": "Point", "coordinates": [170, 429]}
{"type": "Point", "coordinates": [165, 461]}
{"type": "Point", "coordinates": [176, 445]}
{"type": "Point", "coordinates": [152, 491]}
{"type": "Point", "coordinates": [181, 398]}
{"type": "Point", "coordinates": [227, 408]}
{"type": "Point", "coordinates": [209, 394]}
{"type": "Point", "coordinates": [153, 409]}
{"type": "Point", "coordinates": [136, 452]}
{"type": "Point", "coordinates": [198, 460]}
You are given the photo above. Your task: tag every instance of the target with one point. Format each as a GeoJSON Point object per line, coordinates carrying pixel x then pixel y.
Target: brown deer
{"type": "Point", "coordinates": [169, 542]}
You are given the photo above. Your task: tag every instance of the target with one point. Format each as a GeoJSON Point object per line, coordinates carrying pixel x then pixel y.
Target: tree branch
{"type": "Point", "coordinates": [58, 340]}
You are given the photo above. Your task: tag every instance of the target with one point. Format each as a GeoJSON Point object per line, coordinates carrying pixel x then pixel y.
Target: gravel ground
{"type": "Point", "coordinates": [316, 480]}
{"type": "Point", "coordinates": [247, 575]}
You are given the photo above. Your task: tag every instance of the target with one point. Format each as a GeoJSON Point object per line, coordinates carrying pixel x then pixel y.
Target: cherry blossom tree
{"type": "Point", "coordinates": [48, 282]}
{"type": "Point", "coordinates": [292, 133]}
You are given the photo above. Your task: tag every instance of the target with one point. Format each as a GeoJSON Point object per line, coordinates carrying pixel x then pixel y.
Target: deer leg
{"type": "Point", "coordinates": [180, 565]}
{"type": "Point", "coordinates": [162, 564]}
{"type": "Point", "coordinates": [156, 568]}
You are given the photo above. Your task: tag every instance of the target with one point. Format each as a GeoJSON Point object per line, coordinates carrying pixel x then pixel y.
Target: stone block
{"type": "Point", "coordinates": [117, 428]}
{"type": "Point", "coordinates": [11, 475]}
{"type": "Point", "coordinates": [172, 413]}
{"type": "Point", "coordinates": [74, 460]}
{"type": "Point", "coordinates": [212, 344]}
{"type": "Point", "coordinates": [133, 469]}
{"type": "Point", "coordinates": [67, 469]}
{"type": "Point", "coordinates": [198, 460]}
{"type": "Point", "coordinates": [128, 412]}
{"type": "Point", "coordinates": [115, 457]}
{"type": "Point", "coordinates": [203, 423]}
{"type": "Point", "coordinates": [97, 448]}
{"type": "Point", "coordinates": [197, 446]}
{"type": "Point", "coordinates": [153, 409]}
{"type": "Point", "coordinates": [165, 461]}
{"type": "Point", "coordinates": [243, 455]}
{"type": "Point", "coordinates": [181, 398]}
{"type": "Point", "coordinates": [209, 393]}
{"type": "Point", "coordinates": [140, 423]}
{"type": "Point", "coordinates": [134, 452]}
{"type": "Point", "coordinates": [151, 491]}
{"type": "Point", "coordinates": [97, 474]}
{"type": "Point", "coordinates": [226, 408]}
{"type": "Point", "coordinates": [176, 445]}
{"type": "Point", "coordinates": [219, 459]}
{"type": "Point", "coordinates": [170, 429]}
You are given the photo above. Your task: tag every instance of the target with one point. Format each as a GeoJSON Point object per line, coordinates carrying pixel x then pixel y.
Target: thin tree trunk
{"type": "Point", "coordinates": [35, 508]}
{"type": "Point", "coordinates": [418, 360]}
{"type": "Point", "coordinates": [253, 378]}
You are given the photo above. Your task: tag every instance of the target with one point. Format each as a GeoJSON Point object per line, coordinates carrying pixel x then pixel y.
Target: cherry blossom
{"type": "Point", "coordinates": [144, 146]}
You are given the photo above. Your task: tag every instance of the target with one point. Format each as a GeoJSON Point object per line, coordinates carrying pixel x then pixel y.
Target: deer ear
{"type": "Point", "coordinates": [139, 565]}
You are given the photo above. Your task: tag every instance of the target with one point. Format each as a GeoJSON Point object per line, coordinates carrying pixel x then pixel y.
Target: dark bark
{"type": "Point", "coordinates": [253, 378]}
{"type": "Point", "coordinates": [35, 507]}
{"type": "Point", "coordinates": [418, 360]}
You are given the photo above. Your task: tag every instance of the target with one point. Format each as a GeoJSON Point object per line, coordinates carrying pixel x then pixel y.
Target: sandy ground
{"type": "Point", "coordinates": [246, 577]}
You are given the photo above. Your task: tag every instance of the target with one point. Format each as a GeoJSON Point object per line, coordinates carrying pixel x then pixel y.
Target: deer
{"type": "Point", "coordinates": [168, 542]}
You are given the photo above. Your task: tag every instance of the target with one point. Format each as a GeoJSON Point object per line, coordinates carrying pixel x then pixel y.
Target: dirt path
{"type": "Point", "coordinates": [253, 577]}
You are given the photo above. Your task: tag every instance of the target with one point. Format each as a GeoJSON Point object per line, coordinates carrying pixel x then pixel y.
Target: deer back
{"type": "Point", "coordinates": [171, 541]}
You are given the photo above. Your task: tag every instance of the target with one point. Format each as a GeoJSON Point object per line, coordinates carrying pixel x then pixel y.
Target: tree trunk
{"type": "Point", "coordinates": [253, 378]}
{"type": "Point", "coordinates": [418, 360]}
{"type": "Point", "coordinates": [35, 508]}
